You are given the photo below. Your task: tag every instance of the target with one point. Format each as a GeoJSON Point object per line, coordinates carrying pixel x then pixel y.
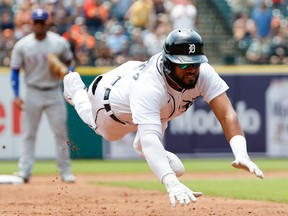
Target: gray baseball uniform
{"type": "Point", "coordinates": [43, 95]}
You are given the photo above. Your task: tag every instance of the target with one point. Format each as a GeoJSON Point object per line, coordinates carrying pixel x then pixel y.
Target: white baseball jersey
{"type": "Point", "coordinates": [143, 96]}
{"type": "Point", "coordinates": [136, 97]}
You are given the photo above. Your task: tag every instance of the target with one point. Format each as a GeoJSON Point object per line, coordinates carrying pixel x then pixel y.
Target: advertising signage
{"type": "Point", "coordinates": [261, 102]}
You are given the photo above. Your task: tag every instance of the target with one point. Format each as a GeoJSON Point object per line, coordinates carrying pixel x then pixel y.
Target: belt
{"type": "Point", "coordinates": [95, 84]}
{"type": "Point", "coordinates": [42, 88]}
{"type": "Point", "coordinates": [107, 106]}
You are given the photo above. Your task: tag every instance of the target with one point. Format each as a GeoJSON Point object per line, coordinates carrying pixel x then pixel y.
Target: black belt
{"type": "Point", "coordinates": [95, 84]}
{"type": "Point", "coordinates": [107, 106]}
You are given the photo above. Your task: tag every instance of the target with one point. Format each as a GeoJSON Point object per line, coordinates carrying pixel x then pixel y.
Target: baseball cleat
{"type": "Point", "coordinates": [25, 178]}
{"type": "Point", "coordinates": [68, 99]}
{"type": "Point", "coordinates": [68, 178]}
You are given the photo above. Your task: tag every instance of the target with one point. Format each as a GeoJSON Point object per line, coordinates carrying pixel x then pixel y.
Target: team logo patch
{"type": "Point", "coordinates": [192, 48]}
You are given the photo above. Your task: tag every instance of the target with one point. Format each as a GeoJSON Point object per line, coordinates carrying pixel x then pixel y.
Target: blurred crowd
{"type": "Point", "coordinates": [260, 30]}
{"type": "Point", "coordinates": [101, 32]}
{"type": "Point", "coordinates": [110, 32]}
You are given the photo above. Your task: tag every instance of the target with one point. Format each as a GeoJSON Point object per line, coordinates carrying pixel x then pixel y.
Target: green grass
{"type": "Point", "coordinates": [274, 190]}
{"type": "Point", "coordinates": [269, 189]}
{"type": "Point", "coordinates": [140, 166]}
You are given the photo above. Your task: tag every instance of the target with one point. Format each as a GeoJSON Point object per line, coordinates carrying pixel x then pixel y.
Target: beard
{"type": "Point", "coordinates": [182, 84]}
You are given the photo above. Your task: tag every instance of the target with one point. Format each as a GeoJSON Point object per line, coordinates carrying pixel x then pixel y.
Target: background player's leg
{"type": "Point", "coordinates": [31, 117]}
{"type": "Point", "coordinates": [57, 116]}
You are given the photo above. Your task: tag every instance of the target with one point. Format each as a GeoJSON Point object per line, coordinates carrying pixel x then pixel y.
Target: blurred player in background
{"type": "Point", "coordinates": [144, 96]}
{"type": "Point", "coordinates": [43, 92]}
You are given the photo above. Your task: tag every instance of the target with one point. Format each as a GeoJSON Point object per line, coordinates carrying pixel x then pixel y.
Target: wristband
{"type": "Point", "coordinates": [70, 68]}
{"type": "Point", "coordinates": [238, 146]}
{"type": "Point", "coordinates": [170, 180]}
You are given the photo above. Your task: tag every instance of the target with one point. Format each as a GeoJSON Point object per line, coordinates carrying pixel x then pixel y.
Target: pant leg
{"type": "Point", "coordinates": [57, 117]}
{"type": "Point", "coordinates": [31, 116]}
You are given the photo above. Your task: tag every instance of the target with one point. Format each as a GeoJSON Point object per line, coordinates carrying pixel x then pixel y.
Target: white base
{"type": "Point", "coordinates": [10, 179]}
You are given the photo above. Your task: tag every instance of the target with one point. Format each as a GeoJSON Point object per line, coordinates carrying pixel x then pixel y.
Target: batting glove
{"type": "Point", "coordinates": [178, 191]}
{"type": "Point", "coordinates": [246, 164]}
{"type": "Point", "coordinates": [242, 160]}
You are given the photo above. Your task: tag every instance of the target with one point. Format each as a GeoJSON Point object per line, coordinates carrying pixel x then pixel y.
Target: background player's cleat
{"type": "Point", "coordinates": [25, 177]}
{"type": "Point", "coordinates": [68, 178]}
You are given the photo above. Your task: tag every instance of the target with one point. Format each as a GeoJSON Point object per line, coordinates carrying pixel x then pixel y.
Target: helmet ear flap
{"type": "Point", "coordinates": [167, 65]}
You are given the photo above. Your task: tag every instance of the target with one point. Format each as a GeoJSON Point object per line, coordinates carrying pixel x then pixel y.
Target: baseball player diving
{"type": "Point", "coordinates": [143, 97]}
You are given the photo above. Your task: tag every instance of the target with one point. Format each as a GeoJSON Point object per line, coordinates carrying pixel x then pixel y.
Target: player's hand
{"type": "Point", "coordinates": [246, 164]}
{"type": "Point", "coordinates": [178, 191]}
{"type": "Point", "coordinates": [19, 103]}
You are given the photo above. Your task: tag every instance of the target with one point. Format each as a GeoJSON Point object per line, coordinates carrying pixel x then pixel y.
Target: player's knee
{"type": "Point", "coordinates": [175, 164]}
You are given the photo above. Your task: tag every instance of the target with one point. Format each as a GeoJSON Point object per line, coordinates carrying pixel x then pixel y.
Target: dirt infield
{"type": "Point", "coordinates": [47, 195]}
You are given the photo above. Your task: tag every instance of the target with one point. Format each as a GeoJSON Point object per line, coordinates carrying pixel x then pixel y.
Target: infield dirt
{"type": "Point", "coordinates": [47, 195]}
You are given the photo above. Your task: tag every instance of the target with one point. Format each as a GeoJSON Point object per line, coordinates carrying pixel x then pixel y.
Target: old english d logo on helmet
{"type": "Point", "coordinates": [191, 48]}
{"type": "Point", "coordinates": [186, 49]}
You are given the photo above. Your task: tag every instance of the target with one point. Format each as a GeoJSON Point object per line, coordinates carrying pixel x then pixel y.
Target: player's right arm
{"type": "Point", "coordinates": [14, 78]}
{"type": "Point", "coordinates": [15, 66]}
{"type": "Point", "coordinates": [146, 106]}
{"type": "Point", "coordinates": [156, 157]}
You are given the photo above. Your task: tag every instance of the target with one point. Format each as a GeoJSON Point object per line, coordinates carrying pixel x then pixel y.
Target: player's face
{"type": "Point", "coordinates": [39, 26]}
{"type": "Point", "coordinates": [185, 75]}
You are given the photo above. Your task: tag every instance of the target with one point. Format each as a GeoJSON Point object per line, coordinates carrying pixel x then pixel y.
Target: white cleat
{"type": "Point", "coordinates": [68, 99]}
{"type": "Point", "coordinates": [68, 178]}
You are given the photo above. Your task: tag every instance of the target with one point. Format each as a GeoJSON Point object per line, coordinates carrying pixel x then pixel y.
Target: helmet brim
{"type": "Point", "coordinates": [187, 59]}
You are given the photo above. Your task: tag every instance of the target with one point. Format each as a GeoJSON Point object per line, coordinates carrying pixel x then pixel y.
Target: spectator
{"type": "Point", "coordinates": [262, 16]}
{"type": "Point", "coordinates": [184, 14]}
{"type": "Point", "coordinates": [244, 31]}
{"type": "Point", "coordinates": [279, 48]}
{"type": "Point", "coordinates": [137, 50]}
{"type": "Point", "coordinates": [61, 17]}
{"type": "Point", "coordinates": [117, 42]}
{"type": "Point", "coordinates": [159, 7]}
{"type": "Point", "coordinates": [241, 6]}
{"type": "Point", "coordinates": [258, 52]}
{"type": "Point", "coordinates": [154, 38]}
{"type": "Point", "coordinates": [141, 14]}
{"type": "Point", "coordinates": [7, 42]}
{"type": "Point", "coordinates": [6, 21]}
{"type": "Point", "coordinates": [84, 46]}
{"type": "Point", "coordinates": [103, 55]}
{"type": "Point", "coordinates": [96, 14]}
{"type": "Point", "coordinates": [119, 9]}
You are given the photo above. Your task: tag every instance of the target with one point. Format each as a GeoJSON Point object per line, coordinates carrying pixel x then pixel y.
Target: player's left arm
{"type": "Point", "coordinates": [234, 134]}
